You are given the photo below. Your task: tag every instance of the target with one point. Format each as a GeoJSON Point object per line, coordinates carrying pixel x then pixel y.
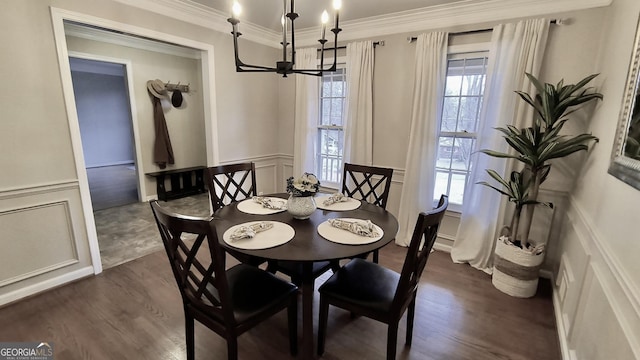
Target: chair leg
{"type": "Point", "coordinates": [392, 340]}
{"type": "Point", "coordinates": [292, 315]}
{"type": "Point", "coordinates": [232, 348]}
{"type": "Point", "coordinates": [322, 324]}
{"type": "Point", "coordinates": [375, 256]}
{"type": "Point", "coordinates": [410, 315]}
{"type": "Point", "coordinates": [189, 336]}
{"type": "Point", "coordinates": [272, 266]}
{"type": "Point", "coordinates": [335, 266]}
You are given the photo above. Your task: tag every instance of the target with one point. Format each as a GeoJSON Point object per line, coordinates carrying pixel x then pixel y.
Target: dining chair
{"type": "Point", "coordinates": [368, 183]}
{"type": "Point", "coordinates": [232, 183]}
{"type": "Point", "coordinates": [229, 302]}
{"type": "Point", "coordinates": [371, 290]}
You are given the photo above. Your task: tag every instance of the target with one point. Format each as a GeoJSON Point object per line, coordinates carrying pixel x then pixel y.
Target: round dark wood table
{"type": "Point", "coordinates": [308, 246]}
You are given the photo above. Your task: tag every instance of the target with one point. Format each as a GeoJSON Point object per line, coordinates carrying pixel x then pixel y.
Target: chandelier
{"type": "Point", "coordinates": [287, 65]}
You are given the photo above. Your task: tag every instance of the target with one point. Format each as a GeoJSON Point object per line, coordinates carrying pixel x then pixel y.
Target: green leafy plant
{"type": "Point", "coordinates": [516, 189]}
{"type": "Point", "coordinates": [536, 145]}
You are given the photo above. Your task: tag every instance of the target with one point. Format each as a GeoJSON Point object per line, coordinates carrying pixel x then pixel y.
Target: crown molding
{"type": "Point", "coordinates": [89, 33]}
{"type": "Point", "coordinates": [465, 12]}
{"type": "Point", "coordinates": [198, 14]}
{"type": "Point", "coordinates": [447, 15]}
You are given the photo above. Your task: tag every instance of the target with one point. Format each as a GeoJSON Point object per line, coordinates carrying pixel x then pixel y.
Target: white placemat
{"type": "Point", "coordinates": [346, 237]}
{"type": "Point", "coordinates": [251, 207]}
{"type": "Point", "coordinates": [352, 204]}
{"type": "Point", "coordinates": [281, 233]}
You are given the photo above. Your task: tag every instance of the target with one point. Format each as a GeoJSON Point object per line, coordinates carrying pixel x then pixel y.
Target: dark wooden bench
{"type": "Point", "coordinates": [182, 182]}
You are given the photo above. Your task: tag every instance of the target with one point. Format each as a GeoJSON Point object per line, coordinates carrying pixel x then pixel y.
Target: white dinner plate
{"type": "Point", "coordinates": [251, 207]}
{"type": "Point", "coordinates": [346, 237]}
{"type": "Point", "coordinates": [352, 204]}
{"type": "Point", "coordinates": [281, 233]}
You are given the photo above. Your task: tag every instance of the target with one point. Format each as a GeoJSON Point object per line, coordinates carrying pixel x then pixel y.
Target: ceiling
{"type": "Point", "coordinates": [267, 13]}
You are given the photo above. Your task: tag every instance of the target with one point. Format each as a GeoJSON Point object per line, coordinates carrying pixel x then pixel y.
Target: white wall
{"type": "Point", "coordinates": [39, 180]}
{"type": "Point", "coordinates": [104, 117]}
{"type": "Point", "coordinates": [598, 280]}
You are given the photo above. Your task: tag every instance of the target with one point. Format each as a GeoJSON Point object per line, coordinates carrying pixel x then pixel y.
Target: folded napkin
{"type": "Point", "coordinates": [269, 203]}
{"type": "Point", "coordinates": [335, 198]}
{"type": "Point", "coordinates": [249, 231]}
{"type": "Point", "coordinates": [358, 227]}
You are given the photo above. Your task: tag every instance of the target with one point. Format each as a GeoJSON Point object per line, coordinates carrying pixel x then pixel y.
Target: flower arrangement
{"type": "Point", "coordinates": [306, 185]}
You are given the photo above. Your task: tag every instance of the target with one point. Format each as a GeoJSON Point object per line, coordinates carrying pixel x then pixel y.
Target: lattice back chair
{"type": "Point", "coordinates": [230, 183]}
{"type": "Point", "coordinates": [371, 290]}
{"type": "Point", "coordinates": [229, 302]}
{"type": "Point", "coordinates": [368, 183]}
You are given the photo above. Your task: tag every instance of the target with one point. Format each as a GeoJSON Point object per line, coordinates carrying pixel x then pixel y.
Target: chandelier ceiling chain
{"type": "Point", "coordinates": [287, 66]}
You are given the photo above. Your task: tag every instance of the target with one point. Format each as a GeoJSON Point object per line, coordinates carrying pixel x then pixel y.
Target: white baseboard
{"type": "Point", "coordinates": [442, 247]}
{"type": "Point", "coordinates": [45, 285]}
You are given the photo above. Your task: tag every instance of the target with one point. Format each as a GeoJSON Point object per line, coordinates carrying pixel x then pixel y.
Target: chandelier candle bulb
{"type": "Point", "coordinates": [324, 18]}
{"type": "Point", "coordinates": [236, 10]}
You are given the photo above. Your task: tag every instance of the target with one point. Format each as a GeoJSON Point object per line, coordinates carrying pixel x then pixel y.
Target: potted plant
{"type": "Point", "coordinates": [517, 258]}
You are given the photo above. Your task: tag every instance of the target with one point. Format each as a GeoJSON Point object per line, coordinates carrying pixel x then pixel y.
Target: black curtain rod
{"type": "Point", "coordinates": [375, 43]}
{"type": "Point", "coordinates": [469, 32]}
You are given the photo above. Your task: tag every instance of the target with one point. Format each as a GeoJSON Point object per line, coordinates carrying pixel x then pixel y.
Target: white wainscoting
{"type": "Point", "coordinates": [597, 309]}
{"type": "Point", "coordinates": [44, 241]}
{"type": "Point", "coordinates": [269, 171]}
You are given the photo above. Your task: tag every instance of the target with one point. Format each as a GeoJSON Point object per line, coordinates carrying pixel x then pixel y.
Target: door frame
{"type": "Point", "coordinates": [58, 16]}
{"type": "Point", "coordinates": [128, 68]}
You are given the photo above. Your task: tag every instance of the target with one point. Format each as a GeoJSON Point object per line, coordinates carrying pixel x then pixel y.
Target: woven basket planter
{"type": "Point", "coordinates": [516, 271]}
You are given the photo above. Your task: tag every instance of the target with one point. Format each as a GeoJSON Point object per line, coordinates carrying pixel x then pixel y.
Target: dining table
{"type": "Point", "coordinates": [305, 241]}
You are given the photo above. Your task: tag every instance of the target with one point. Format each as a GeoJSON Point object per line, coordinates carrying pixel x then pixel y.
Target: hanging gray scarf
{"type": "Point", "coordinates": [162, 150]}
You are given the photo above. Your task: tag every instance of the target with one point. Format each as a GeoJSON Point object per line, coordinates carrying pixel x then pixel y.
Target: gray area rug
{"type": "Point", "coordinates": [128, 232]}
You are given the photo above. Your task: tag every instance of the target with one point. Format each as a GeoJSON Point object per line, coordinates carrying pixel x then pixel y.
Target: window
{"type": "Point", "coordinates": [462, 103]}
{"type": "Point", "coordinates": [330, 127]}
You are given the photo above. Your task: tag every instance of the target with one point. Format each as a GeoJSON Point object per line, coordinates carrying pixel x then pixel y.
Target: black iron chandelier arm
{"type": "Point", "coordinates": [285, 67]}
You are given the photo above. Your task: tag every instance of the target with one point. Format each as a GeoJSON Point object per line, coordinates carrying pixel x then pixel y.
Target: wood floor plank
{"type": "Point", "coordinates": [134, 311]}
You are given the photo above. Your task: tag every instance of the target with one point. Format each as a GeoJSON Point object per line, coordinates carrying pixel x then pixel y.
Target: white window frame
{"type": "Point", "coordinates": [341, 61]}
{"type": "Point", "coordinates": [479, 49]}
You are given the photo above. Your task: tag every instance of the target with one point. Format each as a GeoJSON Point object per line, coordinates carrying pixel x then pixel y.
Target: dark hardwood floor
{"type": "Point", "coordinates": [134, 311]}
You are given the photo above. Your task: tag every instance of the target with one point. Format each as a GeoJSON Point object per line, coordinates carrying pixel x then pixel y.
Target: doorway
{"type": "Point", "coordinates": [120, 34]}
{"type": "Point", "coordinates": [106, 128]}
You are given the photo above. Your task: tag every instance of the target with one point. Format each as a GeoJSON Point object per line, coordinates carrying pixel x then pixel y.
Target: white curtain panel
{"type": "Point", "coordinates": [515, 49]}
{"type": "Point", "coordinates": [306, 113]}
{"type": "Point", "coordinates": [358, 135]}
{"type": "Point", "coordinates": [428, 87]}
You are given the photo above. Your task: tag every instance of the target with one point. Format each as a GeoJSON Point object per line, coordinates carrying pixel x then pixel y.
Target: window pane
{"type": "Point", "coordinates": [456, 192]}
{"type": "Point", "coordinates": [444, 152]}
{"type": "Point", "coordinates": [442, 183]}
{"type": "Point", "coordinates": [462, 103]}
{"type": "Point", "coordinates": [472, 84]}
{"type": "Point", "coordinates": [468, 114]}
{"type": "Point", "coordinates": [450, 113]}
{"type": "Point", "coordinates": [325, 119]}
{"type": "Point", "coordinates": [453, 85]}
{"type": "Point", "coordinates": [461, 153]}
